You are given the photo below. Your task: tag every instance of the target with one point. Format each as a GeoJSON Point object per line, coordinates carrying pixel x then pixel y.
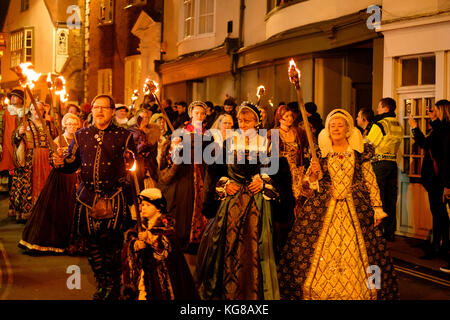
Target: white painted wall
{"type": "Point", "coordinates": [395, 9]}
{"type": "Point", "coordinates": [174, 28]}
{"type": "Point", "coordinates": [304, 13]}
{"type": "Point", "coordinates": [36, 16]}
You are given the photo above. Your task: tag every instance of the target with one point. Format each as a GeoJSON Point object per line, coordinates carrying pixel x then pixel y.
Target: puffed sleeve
{"type": "Point", "coordinates": [372, 185]}
{"type": "Point", "coordinates": [73, 160]}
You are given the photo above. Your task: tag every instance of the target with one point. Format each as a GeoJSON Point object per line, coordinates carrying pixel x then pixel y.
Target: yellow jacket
{"type": "Point", "coordinates": [386, 136]}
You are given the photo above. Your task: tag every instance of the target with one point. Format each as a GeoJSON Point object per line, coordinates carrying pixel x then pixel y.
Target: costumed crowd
{"type": "Point", "coordinates": [111, 186]}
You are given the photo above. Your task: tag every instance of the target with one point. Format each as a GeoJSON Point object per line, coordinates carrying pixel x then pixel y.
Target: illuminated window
{"type": "Point", "coordinates": [412, 153]}
{"type": "Point", "coordinates": [418, 71]}
{"type": "Point", "coordinates": [25, 5]}
{"type": "Point", "coordinates": [21, 47]}
{"type": "Point", "coordinates": [198, 17]}
{"type": "Point", "coordinates": [106, 11]}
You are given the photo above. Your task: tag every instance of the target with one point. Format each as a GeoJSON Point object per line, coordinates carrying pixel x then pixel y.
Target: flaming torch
{"type": "Point", "coordinates": [294, 77]}
{"type": "Point", "coordinates": [27, 78]}
{"type": "Point", "coordinates": [6, 101]}
{"type": "Point", "coordinates": [62, 96]}
{"type": "Point", "coordinates": [129, 155]}
{"type": "Point", "coordinates": [259, 93]}
{"type": "Point", "coordinates": [151, 87]}
{"type": "Point", "coordinates": [50, 87]}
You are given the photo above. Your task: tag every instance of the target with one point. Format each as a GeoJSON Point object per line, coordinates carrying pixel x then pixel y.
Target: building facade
{"type": "Point", "coordinates": [48, 34]}
{"type": "Point", "coordinates": [416, 72]}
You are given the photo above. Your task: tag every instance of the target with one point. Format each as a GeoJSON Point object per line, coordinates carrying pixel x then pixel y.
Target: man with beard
{"type": "Point", "coordinates": [101, 212]}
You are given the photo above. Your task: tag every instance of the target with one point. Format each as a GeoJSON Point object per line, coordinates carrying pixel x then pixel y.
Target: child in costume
{"type": "Point", "coordinates": [154, 265]}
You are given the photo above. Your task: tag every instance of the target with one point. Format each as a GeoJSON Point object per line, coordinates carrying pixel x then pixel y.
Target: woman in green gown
{"type": "Point", "coordinates": [236, 258]}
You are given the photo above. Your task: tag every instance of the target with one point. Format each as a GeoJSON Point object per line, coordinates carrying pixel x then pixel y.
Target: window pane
{"type": "Point", "coordinates": [203, 9]}
{"type": "Point", "coordinates": [410, 72]}
{"type": "Point", "coordinates": [407, 111]}
{"type": "Point", "coordinates": [202, 25]}
{"type": "Point", "coordinates": [417, 107]}
{"type": "Point", "coordinates": [415, 149]}
{"type": "Point", "coordinates": [407, 146]}
{"type": "Point", "coordinates": [406, 129]}
{"type": "Point", "coordinates": [416, 166]}
{"type": "Point", "coordinates": [428, 70]}
{"type": "Point", "coordinates": [406, 165]}
{"type": "Point", "coordinates": [210, 8]}
{"type": "Point", "coordinates": [210, 23]}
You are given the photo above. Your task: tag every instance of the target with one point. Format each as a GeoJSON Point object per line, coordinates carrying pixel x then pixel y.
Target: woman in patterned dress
{"type": "Point", "coordinates": [335, 245]}
{"type": "Point", "coordinates": [29, 180]}
{"type": "Point", "coordinates": [293, 146]}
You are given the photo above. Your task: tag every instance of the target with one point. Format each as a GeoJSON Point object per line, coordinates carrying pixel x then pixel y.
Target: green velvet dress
{"type": "Point", "coordinates": [236, 258]}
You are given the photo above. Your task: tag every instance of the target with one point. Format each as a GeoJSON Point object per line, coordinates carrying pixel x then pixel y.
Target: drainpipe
{"type": "Point", "coordinates": [241, 23]}
{"type": "Point", "coordinates": [235, 56]}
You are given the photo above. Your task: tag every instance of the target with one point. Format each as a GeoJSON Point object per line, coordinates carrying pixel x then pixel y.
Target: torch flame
{"type": "Point", "coordinates": [135, 95]}
{"type": "Point", "coordinates": [260, 91]}
{"type": "Point", "coordinates": [293, 71]}
{"type": "Point", "coordinates": [133, 168]}
{"type": "Point", "coordinates": [6, 101]}
{"type": "Point", "coordinates": [60, 89]}
{"type": "Point", "coordinates": [150, 87]}
{"type": "Point", "coordinates": [31, 76]}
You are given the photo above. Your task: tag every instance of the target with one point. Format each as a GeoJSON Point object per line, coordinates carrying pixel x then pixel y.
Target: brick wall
{"type": "Point", "coordinates": [109, 45]}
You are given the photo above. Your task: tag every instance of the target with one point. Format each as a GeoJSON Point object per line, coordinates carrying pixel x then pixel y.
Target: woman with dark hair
{"type": "Point", "coordinates": [314, 118]}
{"type": "Point", "coordinates": [264, 117]}
{"type": "Point", "coordinates": [293, 146]}
{"type": "Point", "coordinates": [430, 174]}
{"type": "Point", "coordinates": [229, 107]}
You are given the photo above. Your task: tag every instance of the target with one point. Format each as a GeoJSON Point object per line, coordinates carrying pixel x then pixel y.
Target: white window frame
{"type": "Point", "coordinates": [106, 11]}
{"type": "Point", "coordinates": [19, 46]}
{"type": "Point", "coordinates": [414, 92]}
{"type": "Point", "coordinates": [195, 18]}
{"type": "Point", "coordinates": [104, 81]}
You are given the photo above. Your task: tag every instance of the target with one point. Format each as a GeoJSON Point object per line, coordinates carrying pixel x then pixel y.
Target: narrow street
{"type": "Point", "coordinates": [25, 277]}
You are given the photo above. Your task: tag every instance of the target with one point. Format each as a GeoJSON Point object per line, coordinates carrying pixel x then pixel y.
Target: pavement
{"type": "Point", "coordinates": [25, 277]}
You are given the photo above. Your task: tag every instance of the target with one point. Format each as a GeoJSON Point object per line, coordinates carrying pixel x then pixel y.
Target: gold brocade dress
{"type": "Point", "coordinates": [289, 150]}
{"type": "Point", "coordinates": [339, 268]}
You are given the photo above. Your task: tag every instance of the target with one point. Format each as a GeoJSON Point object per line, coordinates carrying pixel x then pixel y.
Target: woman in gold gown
{"type": "Point", "coordinates": [335, 250]}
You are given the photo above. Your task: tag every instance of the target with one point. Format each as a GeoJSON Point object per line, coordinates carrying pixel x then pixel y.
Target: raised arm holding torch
{"type": "Point", "coordinates": [151, 87]}
{"type": "Point", "coordinates": [27, 78]}
{"type": "Point", "coordinates": [61, 94]}
{"type": "Point", "coordinates": [294, 77]}
{"type": "Point", "coordinates": [259, 93]}
{"type": "Point", "coordinates": [129, 155]}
